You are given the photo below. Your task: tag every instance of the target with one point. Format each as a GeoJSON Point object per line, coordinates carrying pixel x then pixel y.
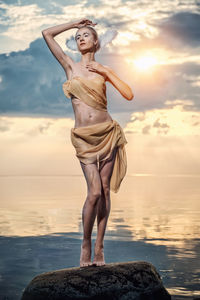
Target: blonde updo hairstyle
{"type": "Point", "coordinates": [95, 35]}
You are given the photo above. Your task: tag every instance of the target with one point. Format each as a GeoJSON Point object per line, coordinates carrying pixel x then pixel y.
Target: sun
{"type": "Point", "coordinates": [146, 62]}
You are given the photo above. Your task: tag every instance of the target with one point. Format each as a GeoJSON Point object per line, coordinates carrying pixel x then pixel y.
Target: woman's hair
{"type": "Point", "coordinates": [95, 35]}
{"type": "Point", "coordinates": [102, 40]}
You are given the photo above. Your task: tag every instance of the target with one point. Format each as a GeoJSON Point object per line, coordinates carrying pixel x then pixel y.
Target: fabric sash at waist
{"type": "Point", "coordinates": [95, 143]}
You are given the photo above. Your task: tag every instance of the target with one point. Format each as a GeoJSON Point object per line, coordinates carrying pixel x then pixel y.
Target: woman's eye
{"type": "Point", "coordinates": [84, 35]}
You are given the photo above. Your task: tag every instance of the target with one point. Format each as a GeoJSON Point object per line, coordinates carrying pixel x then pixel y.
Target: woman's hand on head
{"type": "Point", "coordinates": [84, 22]}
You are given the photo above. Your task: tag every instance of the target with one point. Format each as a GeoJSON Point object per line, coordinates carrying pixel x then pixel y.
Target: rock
{"type": "Point", "coordinates": [125, 281]}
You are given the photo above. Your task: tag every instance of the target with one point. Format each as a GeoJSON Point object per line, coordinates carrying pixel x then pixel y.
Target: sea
{"type": "Point", "coordinates": [153, 218]}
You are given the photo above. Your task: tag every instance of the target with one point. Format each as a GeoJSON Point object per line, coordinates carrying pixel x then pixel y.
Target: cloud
{"type": "Point", "coordinates": [139, 20]}
{"type": "Point", "coordinates": [42, 146]}
{"type": "Point", "coordinates": [177, 119]}
{"type": "Point", "coordinates": [31, 79]}
{"type": "Point", "coordinates": [31, 82]}
{"type": "Point", "coordinates": [5, 124]}
{"type": "Point", "coordinates": [23, 128]}
{"type": "Point", "coordinates": [180, 29]}
{"type": "Point", "coordinates": [36, 146]}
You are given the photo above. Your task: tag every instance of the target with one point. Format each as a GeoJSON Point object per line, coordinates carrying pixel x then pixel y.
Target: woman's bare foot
{"type": "Point", "coordinates": [85, 258]}
{"type": "Point", "coordinates": [98, 256]}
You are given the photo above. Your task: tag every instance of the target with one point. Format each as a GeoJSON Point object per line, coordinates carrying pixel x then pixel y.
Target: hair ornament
{"type": "Point", "coordinates": [104, 39]}
{"type": "Point", "coordinates": [107, 37]}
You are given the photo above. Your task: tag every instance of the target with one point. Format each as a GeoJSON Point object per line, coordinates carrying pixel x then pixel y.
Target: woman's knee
{"type": "Point", "coordinates": [94, 194]}
{"type": "Point", "coordinates": [106, 188]}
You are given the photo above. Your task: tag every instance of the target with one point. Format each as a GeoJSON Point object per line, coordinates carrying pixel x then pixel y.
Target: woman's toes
{"type": "Point", "coordinates": [85, 257]}
{"type": "Point", "coordinates": [99, 256]}
{"type": "Point", "coordinates": [85, 264]}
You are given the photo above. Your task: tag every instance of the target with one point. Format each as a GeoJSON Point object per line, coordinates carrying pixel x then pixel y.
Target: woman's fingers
{"type": "Point", "coordinates": [87, 21]}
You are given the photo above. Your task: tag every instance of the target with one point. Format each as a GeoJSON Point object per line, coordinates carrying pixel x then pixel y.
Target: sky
{"type": "Point", "coordinates": [156, 52]}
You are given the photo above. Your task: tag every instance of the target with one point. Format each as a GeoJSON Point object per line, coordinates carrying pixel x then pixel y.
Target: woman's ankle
{"type": "Point", "coordinates": [99, 244]}
{"type": "Point", "coordinates": [86, 242]}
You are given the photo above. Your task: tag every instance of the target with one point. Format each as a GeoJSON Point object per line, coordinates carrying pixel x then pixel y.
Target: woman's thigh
{"type": "Point", "coordinates": [99, 179]}
{"type": "Point", "coordinates": [106, 168]}
{"type": "Point", "coordinates": [92, 177]}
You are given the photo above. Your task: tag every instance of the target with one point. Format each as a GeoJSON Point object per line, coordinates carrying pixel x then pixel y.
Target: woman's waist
{"type": "Point", "coordinates": [91, 119]}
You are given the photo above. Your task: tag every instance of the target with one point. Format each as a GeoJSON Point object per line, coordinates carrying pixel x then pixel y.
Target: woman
{"type": "Point", "coordinates": [99, 141]}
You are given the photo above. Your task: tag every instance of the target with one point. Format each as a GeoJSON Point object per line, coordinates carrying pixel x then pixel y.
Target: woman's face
{"type": "Point", "coordinates": [84, 39]}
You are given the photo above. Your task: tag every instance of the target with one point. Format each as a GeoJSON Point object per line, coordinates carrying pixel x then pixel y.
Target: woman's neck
{"type": "Point", "coordinates": [86, 58]}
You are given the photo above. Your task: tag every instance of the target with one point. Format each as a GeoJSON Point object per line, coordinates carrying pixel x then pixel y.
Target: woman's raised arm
{"type": "Point", "coordinates": [48, 35]}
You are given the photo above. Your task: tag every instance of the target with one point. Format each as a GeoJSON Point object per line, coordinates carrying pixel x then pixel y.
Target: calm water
{"type": "Point", "coordinates": [152, 218]}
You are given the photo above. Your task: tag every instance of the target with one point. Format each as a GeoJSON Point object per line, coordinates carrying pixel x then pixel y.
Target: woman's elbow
{"type": "Point", "coordinates": [130, 96]}
{"type": "Point", "coordinates": [45, 32]}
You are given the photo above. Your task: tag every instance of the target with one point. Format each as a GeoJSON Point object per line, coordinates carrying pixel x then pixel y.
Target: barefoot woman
{"type": "Point", "coordinates": [98, 139]}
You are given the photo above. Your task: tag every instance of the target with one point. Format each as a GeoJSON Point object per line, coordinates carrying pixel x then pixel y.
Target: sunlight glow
{"type": "Point", "coordinates": [144, 63]}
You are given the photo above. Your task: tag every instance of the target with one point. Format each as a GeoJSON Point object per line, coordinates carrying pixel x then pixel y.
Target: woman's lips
{"type": "Point", "coordinates": [82, 44]}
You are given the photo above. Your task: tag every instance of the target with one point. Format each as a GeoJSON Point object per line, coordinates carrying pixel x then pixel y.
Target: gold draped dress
{"type": "Point", "coordinates": [95, 143]}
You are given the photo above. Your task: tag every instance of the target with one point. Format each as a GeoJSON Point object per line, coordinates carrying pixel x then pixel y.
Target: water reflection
{"type": "Point", "coordinates": [153, 218]}
{"type": "Point", "coordinates": [161, 210]}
